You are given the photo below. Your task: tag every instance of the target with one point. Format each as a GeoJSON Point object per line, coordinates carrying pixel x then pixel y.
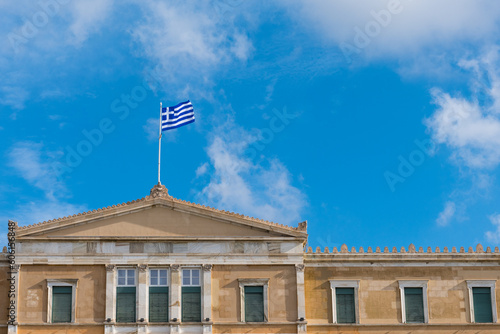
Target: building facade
{"type": "Point", "coordinates": [163, 265]}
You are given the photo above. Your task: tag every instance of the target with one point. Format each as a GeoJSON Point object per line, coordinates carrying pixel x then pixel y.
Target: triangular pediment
{"type": "Point", "coordinates": [159, 217]}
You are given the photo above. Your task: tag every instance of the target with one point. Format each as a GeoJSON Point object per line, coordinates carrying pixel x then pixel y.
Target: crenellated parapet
{"type": "Point", "coordinates": [411, 250]}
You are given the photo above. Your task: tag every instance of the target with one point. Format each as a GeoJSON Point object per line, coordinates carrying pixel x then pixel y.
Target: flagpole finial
{"type": "Point", "coordinates": [159, 191]}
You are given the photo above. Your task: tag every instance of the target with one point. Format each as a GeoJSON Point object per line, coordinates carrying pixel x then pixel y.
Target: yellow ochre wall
{"type": "Point", "coordinates": [379, 299]}
{"type": "Point", "coordinates": [90, 295]}
{"type": "Point", "coordinates": [226, 293]}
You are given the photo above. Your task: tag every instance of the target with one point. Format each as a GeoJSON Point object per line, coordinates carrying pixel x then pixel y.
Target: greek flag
{"type": "Point", "coordinates": [177, 116]}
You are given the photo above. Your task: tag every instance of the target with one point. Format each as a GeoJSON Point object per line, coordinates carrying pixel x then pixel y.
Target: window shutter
{"type": "Point", "coordinates": [482, 304]}
{"type": "Point", "coordinates": [125, 304]}
{"type": "Point", "coordinates": [191, 304]}
{"type": "Point", "coordinates": [158, 304]}
{"type": "Point", "coordinates": [345, 305]}
{"type": "Point", "coordinates": [414, 302]}
{"type": "Point", "coordinates": [61, 303]}
{"type": "Point", "coordinates": [254, 303]}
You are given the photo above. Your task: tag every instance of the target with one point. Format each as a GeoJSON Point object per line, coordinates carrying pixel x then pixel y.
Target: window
{"type": "Point", "coordinates": [158, 295]}
{"type": "Point", "coordinates": [126, 296]}
{"type": "Point", "coordinates": [191, 295]}
{"type": "Point", "coordinates": [254, 303]}
{"type": "Point", "coordinates": [413, 301]}
{"type": "Point", "coordinates": [61, 300]}
{"type": "Point", "coordinates": [253, 299]}
{"type": "Point", "coordinates": [482, 303]}
{"type": "Point", "coordinates": [344, 301]}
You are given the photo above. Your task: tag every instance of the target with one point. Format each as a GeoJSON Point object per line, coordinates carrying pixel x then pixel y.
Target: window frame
{"type": "Point", "coordinates": [482, 284]}
{"type": "Point", "coordinates": [73, 283]}
{"type": "Point", "coordinates": [264, 282]}
{"type": "Point", "coordinates": [413, 284]}
{"type": "Point", "coordinates": [334, 284]}
{"type": "Point", "coordinates": [190, 277]}
{"type": "Point", "coordinates": [126, 276]}
{"type": "Point", "coordinates": [158, 269]}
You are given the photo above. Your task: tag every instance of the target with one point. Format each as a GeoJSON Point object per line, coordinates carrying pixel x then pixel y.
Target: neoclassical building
{"type": "Point", "coordinates": [163, 265]}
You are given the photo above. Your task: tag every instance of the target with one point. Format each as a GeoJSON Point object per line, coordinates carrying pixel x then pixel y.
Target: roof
{"type": "Point", "coordinates": [159, 194]}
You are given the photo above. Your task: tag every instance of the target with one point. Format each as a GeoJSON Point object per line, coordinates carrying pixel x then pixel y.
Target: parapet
{"type": "Point", "coordinates": [411, 250]}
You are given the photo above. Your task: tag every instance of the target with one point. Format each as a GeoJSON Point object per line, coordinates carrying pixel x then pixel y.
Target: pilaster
{"type": "Point", "coordinates": [175, 292]}
{"type": "Point", "coordinates": [110, 294]}
{"type": "Point", "coordinates": [143, 300]}
{"type": "Point", "coordinates": [207, 299]}
{"type": "Point", "coordinates": [301, 299]}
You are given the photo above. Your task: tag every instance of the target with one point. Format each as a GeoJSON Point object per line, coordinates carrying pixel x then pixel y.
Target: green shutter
{"type": "Point", "coordinates": [254, 303]}
{"type": "Point", "coordinates": [158, 304]}
{"type": "Point", "coordinates": [125, 304]}
{"type": "Point", "coordinates": [191, 304]}
{"type": "Point", "coordinates": [482, 305]}
{"type": "Point", "coordinates": [345, 305]}
{"type": "Point", "coordinates": [61, 303]}
{"type": "Point", "coordinates": [414, 302]}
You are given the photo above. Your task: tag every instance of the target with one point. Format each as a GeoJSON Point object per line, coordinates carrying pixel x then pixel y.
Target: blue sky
{"type": "Point", "coordinates": [378, 122]}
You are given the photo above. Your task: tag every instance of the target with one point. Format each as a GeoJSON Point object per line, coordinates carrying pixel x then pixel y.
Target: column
{"type": "Point", "coordinates": [207, 299]}
{"type": "Point", "coordinates": [109, 319]}
{"type": "Point", "coordinates": [301, 300]}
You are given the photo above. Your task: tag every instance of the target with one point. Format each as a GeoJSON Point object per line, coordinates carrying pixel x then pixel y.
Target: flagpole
{"type": "Point", "coordinates": [159, 149]}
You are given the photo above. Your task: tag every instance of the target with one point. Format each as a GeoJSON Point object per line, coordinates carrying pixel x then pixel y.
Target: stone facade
{"type": "Point", "coordinates": [84, 252]}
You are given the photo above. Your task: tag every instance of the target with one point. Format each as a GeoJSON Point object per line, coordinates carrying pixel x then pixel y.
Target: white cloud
{"type": "Point", "coordinates": [447, 214]}
{"type": "Point", "coordinates": [189, 50]}
{"type": "Point", "coordinates": [41, 36]}
{"type": "Point", "coordinates": [471, 127]}
{"type": "Point", "coordinates": [258, 188]}
{"type": "Point", "coordinates": [88, 16]}
{"type": "Point", "coordinates": [52, 94]}
{"type": "Point", "coordinates": [152, 128]}
{"type": "Point", "coordinates": [13, 96]}
{"type": "Point", "coordinates": [397, 28]}
{"type": "Point", "coordinates": [202, 169]}
{"type": "Point", "coordinates": [494, 236]}
{"type": "Point", "coordinates": [32, 162]}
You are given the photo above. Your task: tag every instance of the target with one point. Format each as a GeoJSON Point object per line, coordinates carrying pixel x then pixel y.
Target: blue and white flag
{"type": "Point", "coordinates": [177, 116]}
